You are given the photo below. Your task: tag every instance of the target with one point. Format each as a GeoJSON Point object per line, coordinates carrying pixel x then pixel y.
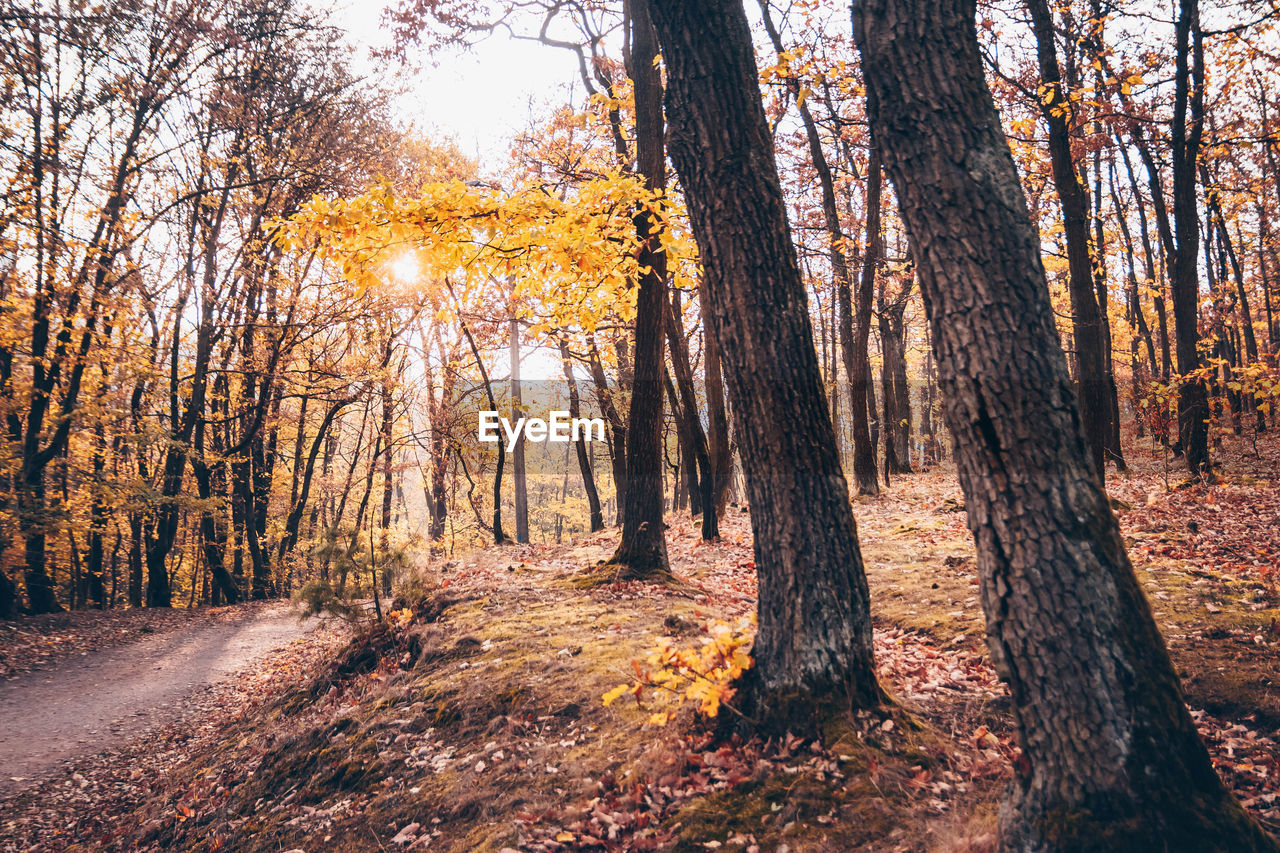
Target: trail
{"type": "Point", "coordinates": [106, 697]}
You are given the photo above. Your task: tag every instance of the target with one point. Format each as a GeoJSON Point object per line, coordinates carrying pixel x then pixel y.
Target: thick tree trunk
{"type": "Point", "coordinates": [32, 512]}
{"type": "Point", "coordinates": [813, 648]}
{"type": "Point", "coordinates": [8, 597]}
{"type": "Point", "coordinates": [1112, 758]}
{"type": "Point", "coordinates": [642, 552]}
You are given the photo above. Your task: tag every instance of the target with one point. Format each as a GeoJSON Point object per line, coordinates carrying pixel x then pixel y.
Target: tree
{"type": "Point", "coordinates": [1112, 757]}
{"type": "Point", "coordinates": [642, 550]}
{"type": "Point", "coordinates": [813, 649]}
{"type": "Point", "coordinates": [1082, 265]}
{"type": "Point", "coordinates": [855, 325]}
{"type": "Point", "coordinates": [1187, 135]}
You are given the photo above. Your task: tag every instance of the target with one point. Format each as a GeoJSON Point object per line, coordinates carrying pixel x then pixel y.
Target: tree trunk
{"type": "Point", "coordinates": [702, 487]}
{"type": "Point", "coordinates": [857, 337]}
{"type": "Point", "coordinates": [1112, 757]}
{"type": "Point", "coordinates": [642, 552]}
{"type": "Point", "coordinates": [294, 519]}
{"type": "Point", "coordinates": [617, 428]}
{"type": "Point", "coordinates": [1188, 128]}
{"type": "Point", "coordinates": [596, 516]}
{"type": "Point", "coordinates": [1086, 318]}
{"type": "Point", "coordinates": [717, 419]}
{"type": "Point", "coordinates": [519, 477]}
{"type": "Point", "coordinates": [813, 649]}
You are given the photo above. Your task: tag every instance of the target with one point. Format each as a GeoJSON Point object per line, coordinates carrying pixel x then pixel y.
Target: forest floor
{"type": "Point", "coordinates": [477, 722]}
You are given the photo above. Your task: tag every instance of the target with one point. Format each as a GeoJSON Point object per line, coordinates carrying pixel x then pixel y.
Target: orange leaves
{"type": "Point", "coordinates": [704, 675]}
{"type": "Point", "coordinates": [571, 255]}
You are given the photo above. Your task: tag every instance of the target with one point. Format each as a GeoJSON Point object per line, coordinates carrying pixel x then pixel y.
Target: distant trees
{"type": "Point", "coordinates": [157, 347]}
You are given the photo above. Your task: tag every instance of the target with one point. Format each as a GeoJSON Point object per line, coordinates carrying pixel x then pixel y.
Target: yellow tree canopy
{"type": "Point", "coordinates": [567, 256]}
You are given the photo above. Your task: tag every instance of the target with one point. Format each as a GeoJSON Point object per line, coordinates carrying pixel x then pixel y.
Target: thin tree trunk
{"type": "Point", "coordinates": [642, 551]}
{"type": "Point", "coordinates": [702, 484]}
{"type": "Point", "coordinates": [854, 335]}
{"type": "Point", "coordinates": [717, 419]}
{"type": "Point", "coordinates": [1086, 317]}
{"type": "Point", "coordinates": [595, 515]}
{"type": "Point", "coordinates": [1187, 129]}
{"type": "Point", "coordinates": [519, 477]}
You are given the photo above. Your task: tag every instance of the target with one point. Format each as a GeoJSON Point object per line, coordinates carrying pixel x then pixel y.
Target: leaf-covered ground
{"type": "Point", "coordinates": [478, 724]}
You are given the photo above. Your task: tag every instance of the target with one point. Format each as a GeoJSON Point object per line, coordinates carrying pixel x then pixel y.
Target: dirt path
{"type": "Point", "coordinates": [95, 702]}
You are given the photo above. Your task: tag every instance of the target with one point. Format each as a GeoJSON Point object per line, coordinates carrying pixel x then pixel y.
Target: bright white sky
{"type": "Point", "coordinates": [481, 97]}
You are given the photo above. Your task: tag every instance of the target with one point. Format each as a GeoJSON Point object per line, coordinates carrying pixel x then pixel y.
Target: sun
{"type": "Point", "coordinates": [405, 268]}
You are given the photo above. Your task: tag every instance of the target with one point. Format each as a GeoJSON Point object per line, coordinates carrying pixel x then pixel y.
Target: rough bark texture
{"type": "Point", "coordinates": [1113, 761]}
{"type": "Point", "coordinates": [813, 648]}
{"type": "Point", "coordinates": [642, 552]}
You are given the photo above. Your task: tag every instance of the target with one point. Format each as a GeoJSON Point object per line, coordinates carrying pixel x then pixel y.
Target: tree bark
{"type": "Point", "coordinates": [642, 551]}
{"type": "Point", "coordinates": [1187, 130]}
{"type": "Point", "coordinates": [1112, 757]}
{"type": "Point", "coordinates": [813, 649]}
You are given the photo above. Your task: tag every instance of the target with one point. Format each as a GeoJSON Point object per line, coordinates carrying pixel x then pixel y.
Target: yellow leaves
{"type": "Point", "coordinates": [703, 675]}
{"type": "Point", "coordinates": [616, 693]}
{"type": "Point", "coordinates": [570, 254]}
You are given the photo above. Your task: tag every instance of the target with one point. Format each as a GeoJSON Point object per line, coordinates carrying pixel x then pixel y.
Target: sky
{"type": "Point", "coordinates": [481, 97]}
